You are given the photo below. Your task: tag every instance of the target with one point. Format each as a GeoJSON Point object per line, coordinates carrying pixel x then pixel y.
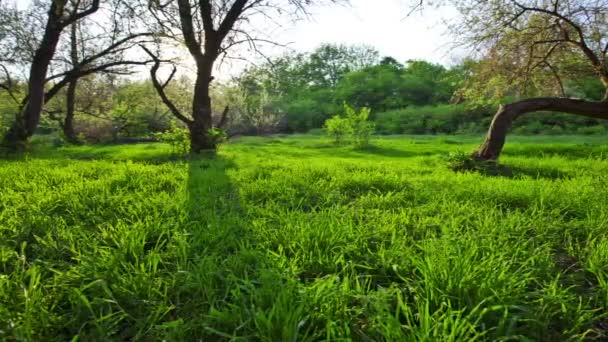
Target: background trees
{"type": "Point", "coordinates": [92, 90]}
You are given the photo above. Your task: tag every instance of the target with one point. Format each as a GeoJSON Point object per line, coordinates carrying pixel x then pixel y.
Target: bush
{"type": "Point", "coordinates": [338, 128]}
{"type": "Point", "coordinates": [362, 129]}
{"type": "Point", "coordinates": [590, 130]}
{"type": "Point", "coordinates": [217, 135]}
{"type": "Point", "coordinates": [177, 137]}
{"type": "Point", "coordinates": [440, 119]}
{"type": "Point", "coordinates": [460, 161]}
{"type": "Point", "coordinates": [354, 124]}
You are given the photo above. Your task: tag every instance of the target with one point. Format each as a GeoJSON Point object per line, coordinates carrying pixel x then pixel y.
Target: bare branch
{"type": "Point", "coordinates": [160, 88]}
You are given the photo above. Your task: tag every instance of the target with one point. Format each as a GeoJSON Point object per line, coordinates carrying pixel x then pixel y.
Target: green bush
{"type": "Point", "coordinates": [590, 130]}
{"type": "Point", "coordinates": [218, 135]}
{"type": "Point", "coordinates": [440, 119]}
{"type": "Point", "coordinates": [464, 119]}
{"type": "Point", "coordinates": [362, 129]}
{"type": "Point", "coordinates": [177, 137]}
{"type": "Point", "coordinates": [354, 124]}
{"type": "Point", "coordinates": [338, 128]}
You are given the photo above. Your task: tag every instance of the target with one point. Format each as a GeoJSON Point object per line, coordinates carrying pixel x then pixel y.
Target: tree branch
{"type": "Point", "coordinates": [160, 88]}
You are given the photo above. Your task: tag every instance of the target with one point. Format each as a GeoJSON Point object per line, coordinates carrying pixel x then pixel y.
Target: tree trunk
{"type": "Point", "coordinates": [28, 118]}
{"type": "Point", "coordinates": [202, 123]}
{"type": "Point", "coordinates": [68, 122]}
{"type": "Point", "coordinates": [496, 136]}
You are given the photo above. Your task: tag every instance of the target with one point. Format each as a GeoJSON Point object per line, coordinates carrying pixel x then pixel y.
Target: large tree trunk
{"type": "Point", "coordinates": [28, 118]}
{"type": "Point", "coordinates": [496, 136]}
{"type": "Point", "coordinates": [202, 123]}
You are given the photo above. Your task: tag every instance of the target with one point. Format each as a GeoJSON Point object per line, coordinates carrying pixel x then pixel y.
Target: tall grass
{"type": "Point", "coordinates": [296, 239]}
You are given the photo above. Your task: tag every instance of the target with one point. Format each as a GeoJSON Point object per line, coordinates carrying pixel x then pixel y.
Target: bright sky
{"type": "Point", "coordinates": [382, 24]}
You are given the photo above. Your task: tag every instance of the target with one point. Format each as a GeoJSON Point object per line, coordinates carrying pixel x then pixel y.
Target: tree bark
{"type": "Point", "coordinates": [201, 110]}
{"type": "Point", "coordinates": [496, 136]}
{"type": "Point", "coordinates": [28, 118]}
{"type": "Point", "coordinates": [68, 122]}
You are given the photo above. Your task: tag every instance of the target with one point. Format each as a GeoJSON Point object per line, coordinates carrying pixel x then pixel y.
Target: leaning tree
{"type": "Point", "coordinates": [209, 30]}
{"type": "Point", "coordinates": [532, 37]}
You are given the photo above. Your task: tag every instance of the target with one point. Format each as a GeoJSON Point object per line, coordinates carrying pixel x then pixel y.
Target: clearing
{"type": "Point", "coordinates": [283, 239]}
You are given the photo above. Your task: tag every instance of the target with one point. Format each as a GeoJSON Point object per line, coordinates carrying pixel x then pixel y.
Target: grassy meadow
{"type": "Point", "coordinates": [296, 239]}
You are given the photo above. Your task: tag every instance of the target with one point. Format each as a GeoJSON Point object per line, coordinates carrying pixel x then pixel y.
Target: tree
{"type": "Point", "coordinates": [60, 14]}
{"type": "Point", "coordinates": [391, 85]}
{"type": "Point", "coordinates": [94, 44]}
{"type": "Point", "coordinates": [531, 38]}
{"type": "Point", "coordinates": [329, 62]}
{"type": "Point", "coordinates": [209, 30]}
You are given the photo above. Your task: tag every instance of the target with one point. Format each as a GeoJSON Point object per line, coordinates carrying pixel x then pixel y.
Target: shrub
{"type": "Point", "coordinates": [362, 129]}
{"type": "Point", "coordinates": [217, 135]}
{"type": "Point", "coordinates": [338, 128]}
{"type": "Point", "coordinates": [446, 119]}
{"type": "Point", "coordinates": [461, 161]}
{"type": "Point", "coordinates": [177, 137]}
{"type": "Point", "coordinates": [590, 130]}
{"type": "Point", "coordinates": [354, 124]}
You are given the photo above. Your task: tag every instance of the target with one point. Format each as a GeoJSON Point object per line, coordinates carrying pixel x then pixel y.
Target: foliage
{"type": "Point", "coordinates": [316, 243]}
{"type": "Point", "coordinates": [461, 161]}
{"type": "Point", "coordinates": [338, 128]}
{"type": "Point", "coordinates": [178, 138]}
{"type": "Point", "coordinates": [440, 119]}
{"type": "Point", "coordinates": [218, 135]}
{"type": "Point", "coordinates": [352, 124]}
{"type": "Point", "coordinates": [362, 128]}
{"type": "Point", "coordinates": [469, 119]}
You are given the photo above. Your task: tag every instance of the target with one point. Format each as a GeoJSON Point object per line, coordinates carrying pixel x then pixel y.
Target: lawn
{"type": "Point", "coordinates": [293, 238]}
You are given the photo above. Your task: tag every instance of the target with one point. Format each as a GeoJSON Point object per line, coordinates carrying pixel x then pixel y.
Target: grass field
{"type": "Point", "coordinates": [285, 239]}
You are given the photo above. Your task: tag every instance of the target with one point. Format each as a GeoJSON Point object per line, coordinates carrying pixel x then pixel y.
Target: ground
{"type": "Point", "coordinates": [293, 238]}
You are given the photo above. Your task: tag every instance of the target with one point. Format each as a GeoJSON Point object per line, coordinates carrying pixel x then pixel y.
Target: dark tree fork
{"type": "Point", "coordinates": [578, 28]}
{"type": "Point", "coordinates": [208, 29]}
{"type": "Point", "coordinates": [205, 49]}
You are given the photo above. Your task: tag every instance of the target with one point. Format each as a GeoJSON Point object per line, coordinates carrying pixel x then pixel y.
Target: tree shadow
{"type": "Point", "coordinates": [389, 152]}
{"type": "Point", "coordinates": [214, 211]}
{"type": "Point", "coordinates": [224, 266]}
{"type": "Point", "coordinates": [337, 151]}
{"type": "Point", "coordinates": [570, 152]}
{"type": "Point", "coordinates": [146, 153]}
{"type": "Point", "coordinates": [515, 172]}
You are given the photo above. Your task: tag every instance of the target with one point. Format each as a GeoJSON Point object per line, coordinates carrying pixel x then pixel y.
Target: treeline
{"type": "Point", "coordinates": [298, 92]}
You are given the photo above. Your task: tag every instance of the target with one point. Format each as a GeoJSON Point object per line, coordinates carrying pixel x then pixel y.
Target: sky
{"type": "Point", "coordinates": [382, 24]}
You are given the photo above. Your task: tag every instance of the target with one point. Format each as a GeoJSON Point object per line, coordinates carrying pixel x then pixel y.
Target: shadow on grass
{"type": "Point", "coordinates": [147, 153]}
{"type": "Point", "coordinates": [515, 172]}
{"type": "Point", "coordinates": [571, 152]}
{"type": "Point", "coordinates": [389, 152]}
{"type": "Point", "coordinates": [345, 151]}
{"type": "Point", "coordinates": [224, 267]}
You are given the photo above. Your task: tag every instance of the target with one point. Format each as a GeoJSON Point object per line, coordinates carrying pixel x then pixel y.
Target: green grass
{"type": "Point", "coordinates": [284, 239]}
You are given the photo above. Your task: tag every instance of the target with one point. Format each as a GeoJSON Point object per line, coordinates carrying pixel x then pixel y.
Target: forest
{"type": "Point", "coordinates": [170, 170]}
